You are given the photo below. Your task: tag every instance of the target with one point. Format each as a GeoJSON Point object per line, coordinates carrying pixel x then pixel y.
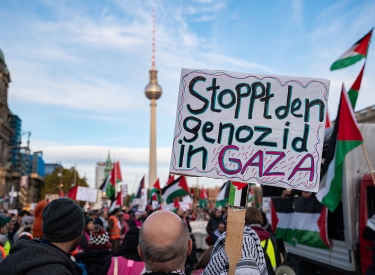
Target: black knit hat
{"type": "Point", "coordinates": [63, 220]}
{"type": "Point", "coordinates": [129, 247]}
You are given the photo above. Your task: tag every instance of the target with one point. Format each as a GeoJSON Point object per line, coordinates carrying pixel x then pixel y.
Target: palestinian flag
{"type": "Point", "coordinates": [223, 196]}
{"type": "Point", "coordinates": [155, 202]}
{"type": "Point", "coordinates": [155, 188]}
{"type": "Point", "coordinates": [203, 199]}
{"type": "Point", "coordinates": [354, 54]}
{"type": "Point", "coordinates": [105, 183]}
{"type": "Point", "coordinates": [155, 197]}
{"type": "Point", "coordinates": [353, 92]}
{"type": "Point", "coordinates": [118, 202]}
{"type": "Point", "coordinates": [238, 194]}
{"type": "Point", "coordinates": [115, 177]}
{"type": "Point", "coordinates": [345, 137]}
{"type": "Point", "coordinates": [282, 219]}
{"type": "Point", "coordinates": [328, 120]}
{"type": "Point", "coordinates": [175, 189]}
{"type": "Point", "coordinates": [140, 198]}
{"type": "Point", "coordinates": [170, 179]}
{"type": "Point", "coordinates": [310, 222]}
{"type": "Point", "coordinates": [251, 195]}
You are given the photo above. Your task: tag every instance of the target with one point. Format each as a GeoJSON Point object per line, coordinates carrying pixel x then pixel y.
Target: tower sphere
{"type": "Point", "coordinates": [153, 89]}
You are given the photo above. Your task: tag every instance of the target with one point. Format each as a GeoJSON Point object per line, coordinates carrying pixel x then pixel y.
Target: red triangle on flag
{"type": "Point", "coordinates": [154, 197]}
{"type": "Point", "coordinates": [72, 193]}
{"type": "Point", "coordinates": [170, 179]}
{"type": "Point", "coordinates": [328, 120]}
{"type": "Point", "coordinates": [362, 44]}
{"type": "Point", "coordinates": [357, 83]}
{"type": "Point", "coordinates": [202, 194]}
{"type": "Point", "coordinates": [157, 185]}
{"type": "Point", "coordinates": [119, 200]}
{"type": "Point", "coordinates": [348, 128]}
{"type": "Point", "coordinates": [176, 203]}
{"type": "Point", "coordinates": [239, 185]}
{"type": "Point", "coordinates": [183, 184]}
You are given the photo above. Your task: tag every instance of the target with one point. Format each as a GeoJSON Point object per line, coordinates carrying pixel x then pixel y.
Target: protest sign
{"type": "Point", "coordinates": [264, 129]}
{"type": "Point", "coordinates": [86, 194]}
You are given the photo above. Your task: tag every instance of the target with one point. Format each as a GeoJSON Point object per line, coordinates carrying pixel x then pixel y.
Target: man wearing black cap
{"type": "Point", "coordinates": [63, 222]}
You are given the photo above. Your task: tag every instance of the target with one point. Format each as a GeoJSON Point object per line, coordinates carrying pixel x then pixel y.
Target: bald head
{"type": "Point", "coordinates": [164, 242]}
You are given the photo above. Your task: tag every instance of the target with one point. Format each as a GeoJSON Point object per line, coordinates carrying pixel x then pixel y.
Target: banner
{"type": "Point", "coordinates": [124, 190]}
{"type": "Point", "coordinates": [86, 194]}
{"type": "Point", "coordinates": [265, 129]}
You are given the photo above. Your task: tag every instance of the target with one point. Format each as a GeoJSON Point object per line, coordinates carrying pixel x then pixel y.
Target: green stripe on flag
{"type": "Point", "coordinates": [177, 193]}
{"type": "Point", "coordinates": [353, 95]}
{"type": "Point", "coordinates": [345, 62]}
{"type": "Point", "coordinates": [287, 234]}
{"type": "Point", "coordinates": [310, 238]}
{"type": "Point", "coordinates": [332, 199]}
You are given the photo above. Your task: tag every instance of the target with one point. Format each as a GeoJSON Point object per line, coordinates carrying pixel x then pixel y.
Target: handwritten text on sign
{"type": "Point", "coordinates": [249, 127]}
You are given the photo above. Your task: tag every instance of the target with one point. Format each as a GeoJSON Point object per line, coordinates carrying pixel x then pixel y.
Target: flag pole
{"type": "Point", "coordinates": [368, 163]}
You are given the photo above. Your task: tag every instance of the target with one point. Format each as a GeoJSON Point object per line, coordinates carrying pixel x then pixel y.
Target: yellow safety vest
{"type": "Point", "coordinates": [270, 252]}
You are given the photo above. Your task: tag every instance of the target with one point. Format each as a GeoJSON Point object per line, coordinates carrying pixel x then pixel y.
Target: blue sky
{"type": "Point", "coordinates": [79, 68]}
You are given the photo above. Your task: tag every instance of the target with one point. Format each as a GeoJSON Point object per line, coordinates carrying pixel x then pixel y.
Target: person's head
{"type": "Point", "coordinates": [3, 240]}
{"type": "Point", "coordinates": [253, 216]}
{"type": "Point", "coordinates": [217, 214]}
{"type": "Point", "coordinates": [164, 242]}
{"type": "Point", "coordinates": [104, 214]}
{"type": "Point", "coordinates": [89, 224]}
{"type": "Point", "coordinates": [137, 215]}
{"type": "Point", "coordinates": [180, 212]}
{"type": "Point", "coordinates": [63, 222]}
{"type": "Point", "coordinates": [119, 212]}
{"type": "Point", "coordinates": [12, 222]}
{"type": "Point", "coordinates": [99, 238]}
{"type": "Point", "coordinates": [221, 228]}
{"type": "Point", "coordinates": [94, 214]}
{"type": "Point", "coordinates": [37, 225]}
{"type": "Point", "coordinates": [204, 260]}
{"type": "Point", "coordinates": [3, 224]}
{"type": "Point", "coordinates": [129, 247]}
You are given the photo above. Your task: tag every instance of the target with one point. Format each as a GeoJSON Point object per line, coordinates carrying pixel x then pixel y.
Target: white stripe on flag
{"type": "Point", "coordinates": [329, 177]}
{"type": "Point", "coordinates": [285, 220]}
{"type": "Point", "coordinates": [306, 221]}
{"type": "Point", "coordinates": [237, 197]}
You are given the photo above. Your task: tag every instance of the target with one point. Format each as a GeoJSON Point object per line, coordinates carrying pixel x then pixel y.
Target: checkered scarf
{"type": "Point", "coordinates": [98, 236]}
{"type": "Point", "coordinates": [252, 261]}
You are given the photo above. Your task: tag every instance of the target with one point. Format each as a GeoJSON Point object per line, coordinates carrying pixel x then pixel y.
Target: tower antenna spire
{"type": "Point", "coordinates": [153, 38]}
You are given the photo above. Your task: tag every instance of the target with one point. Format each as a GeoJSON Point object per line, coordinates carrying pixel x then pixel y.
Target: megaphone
{"type": "Point", "coordinates": [284, 270]}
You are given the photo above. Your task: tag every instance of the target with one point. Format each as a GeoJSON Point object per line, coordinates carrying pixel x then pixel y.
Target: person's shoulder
{"type": "Point", "coordinates": [56, 269]}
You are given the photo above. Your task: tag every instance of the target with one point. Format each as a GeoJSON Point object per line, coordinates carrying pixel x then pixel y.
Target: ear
{"type": "Point", "coordinates": [190, 247]}
{"type": "Point", "coordinates": [140, 253]}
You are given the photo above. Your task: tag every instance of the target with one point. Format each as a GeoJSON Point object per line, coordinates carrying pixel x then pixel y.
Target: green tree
{"type": "Point", "coordinates": [53, 181]}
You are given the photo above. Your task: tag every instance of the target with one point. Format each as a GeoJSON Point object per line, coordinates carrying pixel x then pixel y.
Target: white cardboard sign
{"type": "Point", "coordinates": [258, 128]}
{"type": "Point", "coordinates": [86, 194]}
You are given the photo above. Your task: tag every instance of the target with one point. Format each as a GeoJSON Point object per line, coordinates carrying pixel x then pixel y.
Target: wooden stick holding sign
{"type": "Point", "coordinates": [235, 223]}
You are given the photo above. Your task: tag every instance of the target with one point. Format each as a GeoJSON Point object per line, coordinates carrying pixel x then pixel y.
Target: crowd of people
{"type": "Point", "coordinates": [59, 238]}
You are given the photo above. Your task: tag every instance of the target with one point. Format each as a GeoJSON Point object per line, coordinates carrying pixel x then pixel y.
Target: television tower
{"type": "Point", "coordinates": [153, 92]}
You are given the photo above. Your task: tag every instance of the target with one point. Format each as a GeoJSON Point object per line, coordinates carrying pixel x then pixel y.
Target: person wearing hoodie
{"type": "Point", "coordinates": [37, 225]}
{"type": "Point", "coordinates": [97, 256]}
{"type": "Point", "coordinates": [63, 222]}
{"type": "Point", "coordinates": [84, 243]}
{"type": "Point", "coordinates": [254, 220]}
{"type": "Point", "coordinates": [129, 262]}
